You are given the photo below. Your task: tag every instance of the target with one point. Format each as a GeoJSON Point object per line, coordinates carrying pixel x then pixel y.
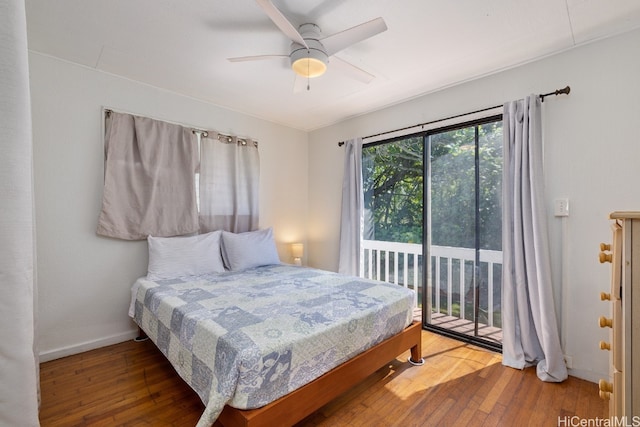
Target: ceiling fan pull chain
{"type": "Point", "coordinates": [308, 74]}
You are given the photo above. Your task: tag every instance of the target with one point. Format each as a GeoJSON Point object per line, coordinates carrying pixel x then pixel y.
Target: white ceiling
{"type": "Point", "coordinates": [183, 46]}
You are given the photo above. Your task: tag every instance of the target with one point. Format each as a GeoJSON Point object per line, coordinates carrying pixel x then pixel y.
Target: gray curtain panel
{"type": "Point", "coordinates": [229, 183]}
{"type": "Point", "coordinates": [352, 220]}
{"type": "Point", "coordinates": [529, 326]}
{"type": "Point", "coordinates": [149, 183]}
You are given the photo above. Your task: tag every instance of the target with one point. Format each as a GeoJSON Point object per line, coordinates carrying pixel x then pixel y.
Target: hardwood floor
{"type": "Point", "coordinates": [132, 384]}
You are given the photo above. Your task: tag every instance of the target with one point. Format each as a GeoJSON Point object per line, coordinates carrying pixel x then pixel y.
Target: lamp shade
{"type": "Point", "coordinates": [297, 250]}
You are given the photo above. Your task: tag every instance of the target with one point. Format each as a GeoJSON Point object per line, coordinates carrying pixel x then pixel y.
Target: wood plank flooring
{"type": "Point", "coordinates": [132, 384]}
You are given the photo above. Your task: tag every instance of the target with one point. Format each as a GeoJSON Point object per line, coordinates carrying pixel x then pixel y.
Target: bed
{"type": "Point", "coordinates": [273, 343]}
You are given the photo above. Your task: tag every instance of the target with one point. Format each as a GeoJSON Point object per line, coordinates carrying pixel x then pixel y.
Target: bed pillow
{"type": "Point", "coordinates": [250, 249]}
{"type": "Point", "coordinates": [171, 257]}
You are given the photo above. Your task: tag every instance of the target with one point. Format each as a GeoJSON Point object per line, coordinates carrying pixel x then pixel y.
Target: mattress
{"type": "Point", "coordinates": [247, 338]}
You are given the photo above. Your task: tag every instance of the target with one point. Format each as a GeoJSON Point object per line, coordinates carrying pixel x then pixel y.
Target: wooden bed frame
{"type": "Point", "coordinates": [302, 402]}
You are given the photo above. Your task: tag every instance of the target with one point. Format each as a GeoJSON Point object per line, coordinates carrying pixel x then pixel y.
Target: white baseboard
{"type": "Point", "coordinates": [46, 356]}
{"type": "Point", "coordinates": [590, 376]}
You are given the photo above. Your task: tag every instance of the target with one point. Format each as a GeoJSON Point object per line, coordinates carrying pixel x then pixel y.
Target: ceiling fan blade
{"type": "Point", "coordinates": [282, 22]}
{"type": "Point", "coordinates": [256, 58]}
{"type": "Point", "coordinates": [351, 70]}
{"type": "Point", "coordinates": [338, 41]}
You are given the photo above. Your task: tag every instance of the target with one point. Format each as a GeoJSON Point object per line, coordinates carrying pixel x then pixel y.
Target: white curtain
{"type": "Point", "coordinates": [529, 326]}
{"type": "Point", "coordinates": [352, 221]}
{"type": "Point", "coordinates": [229, 183]}
{"type": "Point", "coordinates": [18, 354]}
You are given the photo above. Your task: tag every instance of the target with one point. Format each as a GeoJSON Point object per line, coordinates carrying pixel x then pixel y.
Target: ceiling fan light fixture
{"type": "Point", "coordinates": [309, 67]}
{"type": "Point", "coordinates": [309, 63]}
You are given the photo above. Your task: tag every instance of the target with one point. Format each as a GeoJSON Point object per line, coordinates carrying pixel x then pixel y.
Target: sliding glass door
{"type": "Point", "coordinates": [437, 196]}
{"type": "Point", "coordinates": [463, 233]}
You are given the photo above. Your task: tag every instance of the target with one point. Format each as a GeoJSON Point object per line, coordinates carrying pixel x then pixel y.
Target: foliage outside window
{"type": "Point", "coordinates": [393, 188]}
{"type": "Point", "coordinates": [453, 192]}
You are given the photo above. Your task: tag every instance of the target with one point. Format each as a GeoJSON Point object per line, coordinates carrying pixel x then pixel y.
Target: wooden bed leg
{"type": "Point", "coordinates": [416, 356]}
{"type": "Point", "coordinates": [416, 352]}
{"type": "Point", "coordinates": [142, 335]}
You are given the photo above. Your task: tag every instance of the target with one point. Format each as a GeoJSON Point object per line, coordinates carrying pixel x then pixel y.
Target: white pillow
{"type": "Point", "coordinates": [250, 249]}
{"type": "Point", "coordinates": [171, 257]}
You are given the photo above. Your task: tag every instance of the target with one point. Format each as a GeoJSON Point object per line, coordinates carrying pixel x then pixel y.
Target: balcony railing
{"type": "Point", "coordinates": [453, 271]}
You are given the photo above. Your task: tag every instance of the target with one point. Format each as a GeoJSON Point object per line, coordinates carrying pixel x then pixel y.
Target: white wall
{"type": "Point", "coordinates": [84, 279]}
{"type": "Point", "coordinates": [592, 156]}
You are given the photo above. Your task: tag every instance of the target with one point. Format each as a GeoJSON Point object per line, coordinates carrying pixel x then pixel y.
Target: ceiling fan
{"type": "Point", "coordinates": [311, 53]}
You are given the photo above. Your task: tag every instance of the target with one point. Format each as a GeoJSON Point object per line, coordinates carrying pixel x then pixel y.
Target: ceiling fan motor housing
{"type": "Point", "coordinates": [312, 62]}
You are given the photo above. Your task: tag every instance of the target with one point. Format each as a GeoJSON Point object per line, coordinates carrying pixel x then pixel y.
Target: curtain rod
{"type": "Point", "coordinates": [202, 132]}
{"type": "Point", "coordinates": [108, 111]}
{"type": "Point", "coordinates": [563, 91]}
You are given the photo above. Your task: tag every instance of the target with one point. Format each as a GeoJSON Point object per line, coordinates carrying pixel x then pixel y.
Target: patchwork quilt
{"type": "Point", "coordinates": [247, 338]}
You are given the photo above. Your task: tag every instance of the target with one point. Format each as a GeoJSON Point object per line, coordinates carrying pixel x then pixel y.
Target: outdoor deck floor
{"type": "Point", "coordinates": [463, 326]}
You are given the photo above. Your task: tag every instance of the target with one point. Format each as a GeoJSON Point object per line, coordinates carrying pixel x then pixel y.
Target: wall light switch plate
{"type": "Point", "coordinates": [561, 207]}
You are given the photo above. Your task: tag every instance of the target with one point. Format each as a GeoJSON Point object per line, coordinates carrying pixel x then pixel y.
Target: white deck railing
{"type": "Point", "coordinates": [395, 262]}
